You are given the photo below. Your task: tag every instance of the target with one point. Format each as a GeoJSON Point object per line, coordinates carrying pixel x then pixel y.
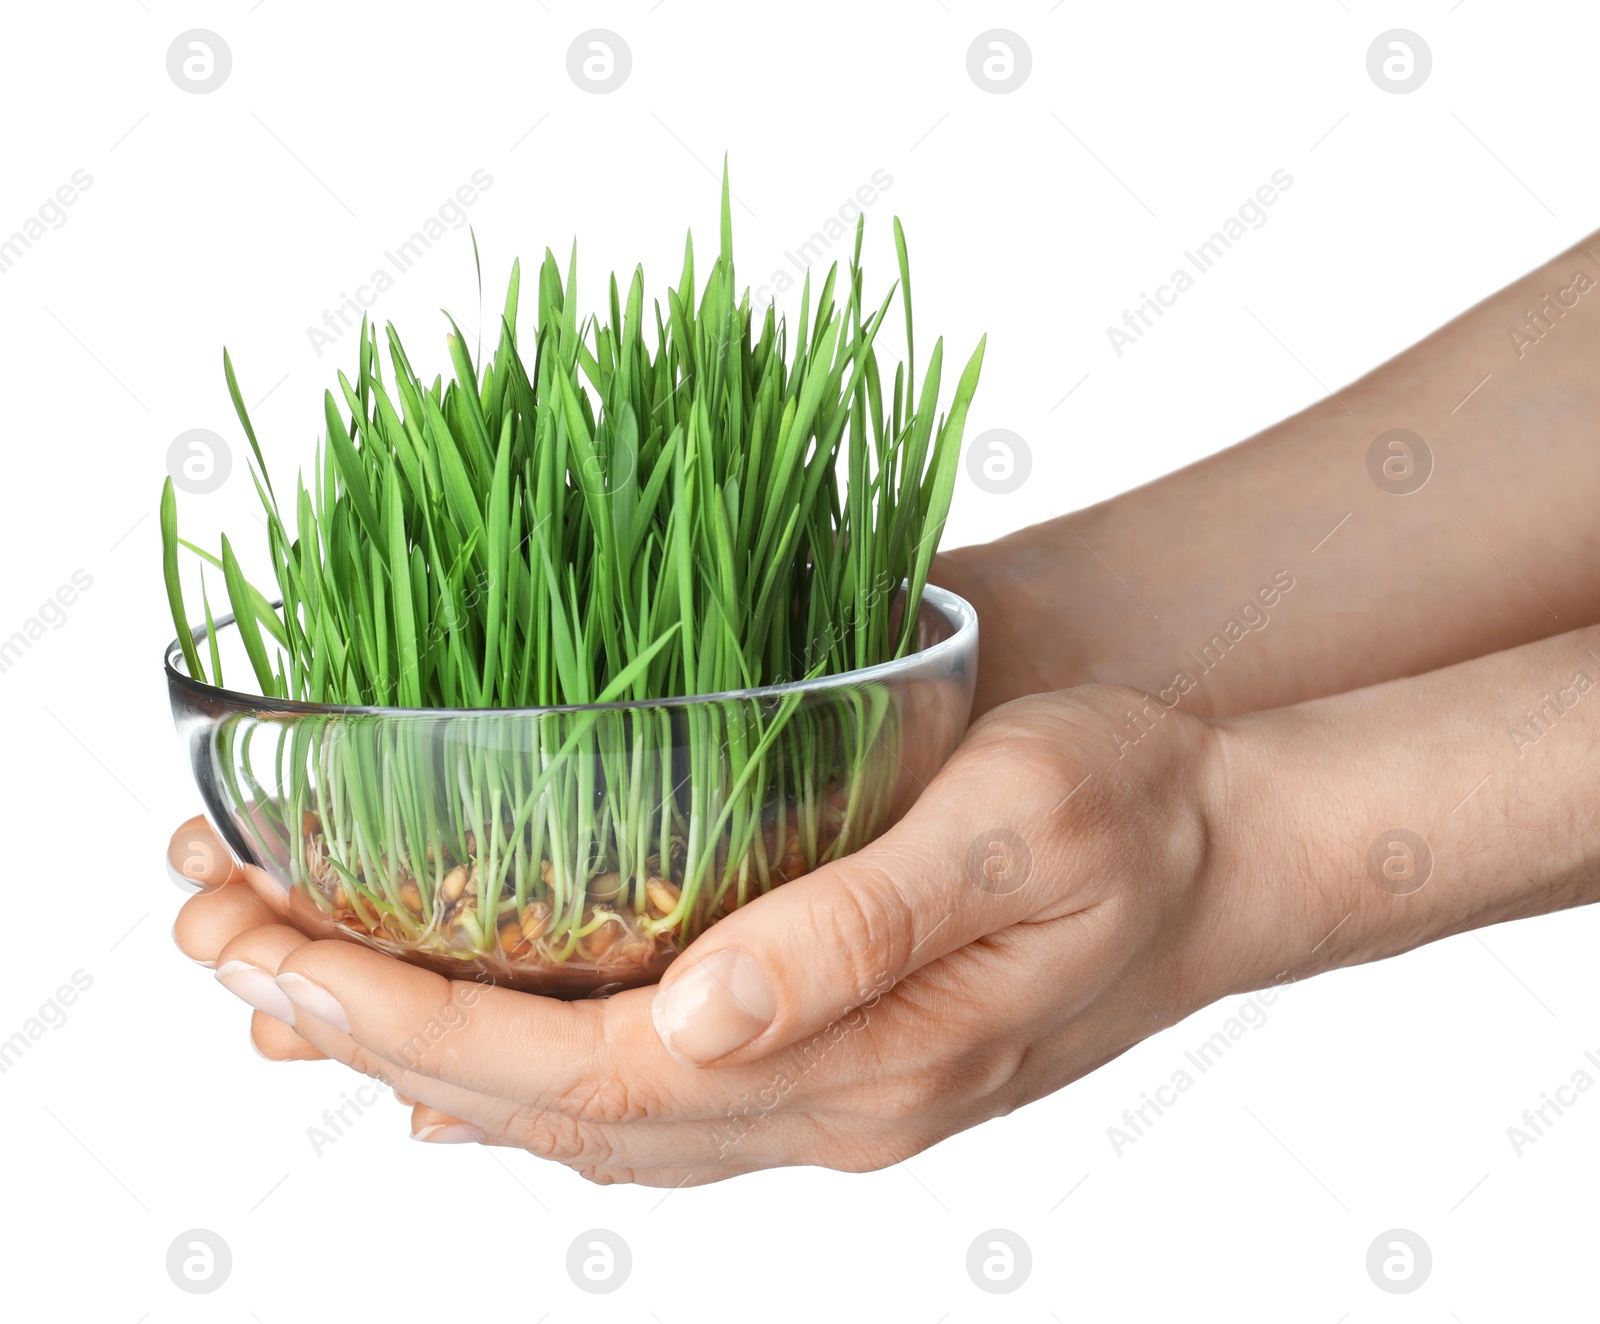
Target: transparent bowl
{"type": "Point", "coordinates": [569, 851]}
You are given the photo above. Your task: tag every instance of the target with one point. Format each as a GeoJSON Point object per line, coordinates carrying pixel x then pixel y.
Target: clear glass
{"type": "Point", "coordinates": [568, 851]}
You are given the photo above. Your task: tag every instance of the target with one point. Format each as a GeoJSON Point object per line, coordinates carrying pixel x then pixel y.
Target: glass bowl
{"type": "Point", "coordinates": [568, 851]}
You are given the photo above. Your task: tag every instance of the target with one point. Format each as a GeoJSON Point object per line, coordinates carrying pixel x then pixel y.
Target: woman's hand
{"type": "Point", "coordinates": [1496, 551]}
{"type": "Point", "coordinates": [1089, 868]}
{"type": "Point", "coordinates": [1045, 905]}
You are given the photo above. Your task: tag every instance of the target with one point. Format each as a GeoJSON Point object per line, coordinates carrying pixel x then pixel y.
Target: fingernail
{"type": "Point", "coordinates": [715, 1006]}
{"type": "Point", "coordinates": [459, 1133]}
{"type": "Point", "coordinates": [314, 999]}
{"type": "Point", "coordinates": [254, 985]}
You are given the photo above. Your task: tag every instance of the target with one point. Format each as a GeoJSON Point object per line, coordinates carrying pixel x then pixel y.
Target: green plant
{"type": "Point", "coordinates": [645, 512]}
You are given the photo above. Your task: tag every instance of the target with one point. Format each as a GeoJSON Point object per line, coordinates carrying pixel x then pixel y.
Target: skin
{"type": "Point", "coordinates": [1418, 710]}
{"type": "Point", "coordinates": [1498, 549]}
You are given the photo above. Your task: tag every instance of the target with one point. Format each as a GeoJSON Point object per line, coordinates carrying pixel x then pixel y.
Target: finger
{"type": "Point", "coordinates": [447, 1114]}
{"type": "Point", "coordinates": [598, 1060]}
{"type": "Point", "coordinates": [276, 1042]}
{"type": "Point", "coordinates": [442, 1128]}
{"type": "Point", "coordinates": [491, 1115]}
{"type": "Point", "coordinates": [197, 857]}
{"type": "Point", "coordinates": [281, 901]}
{"type": "Point", "coordinates": [405, 1017]}
{"type": "Point", "coordinates": [672, 1178]}
{"type": "Point", "coordinates": [686, 1149]}
{"type": "Point", "coordinates": [796, 960]}
{"type": "Point", "coordinates": [209, 920]}
{"type": "Point", "coordinates": [494, 1117]}
{"type": "Point", "coordinates": [248, 964]}
{"type": "Point", "coordinates": [290, 905]}
{"type": "Point", "coordinates": [602, 1109]}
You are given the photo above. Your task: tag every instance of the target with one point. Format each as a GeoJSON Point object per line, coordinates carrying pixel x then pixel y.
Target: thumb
{"type": "Point", "coordinates": [792, 962]}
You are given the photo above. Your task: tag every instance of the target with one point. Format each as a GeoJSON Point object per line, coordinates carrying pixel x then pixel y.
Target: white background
{"type": "Point", "coordinates": [1370, 1099]}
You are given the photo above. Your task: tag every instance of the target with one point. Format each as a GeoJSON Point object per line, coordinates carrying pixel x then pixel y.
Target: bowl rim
{"type": "Point", "coordinates": [954, 608]}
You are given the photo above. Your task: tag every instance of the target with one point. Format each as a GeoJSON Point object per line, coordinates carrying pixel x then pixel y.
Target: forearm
{"type": "Point", "coordinates": [1496, 549]}
{"type": "Point", "coordinates": [1376, 821]}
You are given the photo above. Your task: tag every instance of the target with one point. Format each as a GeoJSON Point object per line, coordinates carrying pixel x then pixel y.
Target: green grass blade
{"type": "Point", "coordinates": [169, 568]}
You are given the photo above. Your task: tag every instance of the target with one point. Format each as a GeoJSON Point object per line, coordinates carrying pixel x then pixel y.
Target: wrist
{"type": "Point", "coordinates": [1338, 832]}
{"type": "Point", "coordinates": [1026, 588]}
{"type": "Point", "coordinates": [1224, 932]}
{"type": "Point", "coordinates": [1364, 825]}
{"type": "Point", "coordinates": [1267, 921]}
{"type": "Point", "coordinates": [1051, 615]}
